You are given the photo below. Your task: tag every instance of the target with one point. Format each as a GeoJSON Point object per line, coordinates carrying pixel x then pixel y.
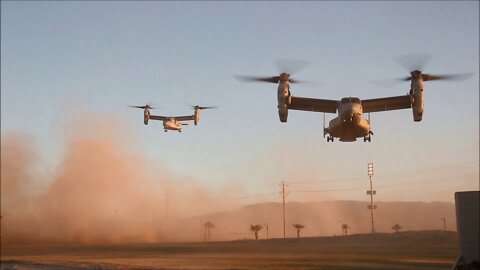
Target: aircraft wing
{"type": "Point", "coordinates": [158, 117]}
{"type": "Point", "coordinates": [386, 104]}
{"type": "Point", "coordinates": [184, 118]}
{"type": "Point", "coordinates": [313, 105]}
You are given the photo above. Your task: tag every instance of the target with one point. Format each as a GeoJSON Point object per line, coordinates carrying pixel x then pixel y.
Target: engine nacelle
{"type": "Point", "coordinates": [146, 116]}
{"type": "Point", "coordinates": [288, 99]}
{"type": "Point", "coordinates": [417, 105]}
{"type": "Point", "coordinates": [283, 114]}
{"type": "Point", "coordinates": [284, 99]}
{"type": "Point", "coordinates": [196, 116]}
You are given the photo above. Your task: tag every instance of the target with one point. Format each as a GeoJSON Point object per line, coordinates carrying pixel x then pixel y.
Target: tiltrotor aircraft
{"type": "Point", "coordinates": [350, 123]}
{"type": "Point", "coordinates": [172, 122]}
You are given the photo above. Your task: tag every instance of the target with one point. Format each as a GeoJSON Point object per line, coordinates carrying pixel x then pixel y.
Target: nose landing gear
{"type": "Point", "coordinates": [330, 138]}
{"type": "Point", "coordinates": [368, 137]}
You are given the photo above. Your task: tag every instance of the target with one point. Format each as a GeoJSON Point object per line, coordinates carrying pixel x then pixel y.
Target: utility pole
{"type": "Point", "coordinates": [284, 194]}
{"type": "Point", "coordinates": [371, 192]}
{"type": "Point", "coordinates": [266, 224]}
{"type": "Point", "coordinates": [444, 223]}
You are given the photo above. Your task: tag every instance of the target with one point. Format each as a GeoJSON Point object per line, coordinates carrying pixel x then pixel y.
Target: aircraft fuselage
{"type": "Point", "coordinates": [172, 124]}
{"type": "Point", "coordinates": [350, 124]}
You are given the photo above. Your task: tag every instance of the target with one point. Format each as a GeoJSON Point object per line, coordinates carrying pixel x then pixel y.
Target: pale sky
{"type": "Point", "coordinates": [61, 58]}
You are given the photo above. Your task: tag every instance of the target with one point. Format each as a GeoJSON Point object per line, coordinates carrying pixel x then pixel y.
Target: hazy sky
{"type": "Point", "coordinates": [64, 59]}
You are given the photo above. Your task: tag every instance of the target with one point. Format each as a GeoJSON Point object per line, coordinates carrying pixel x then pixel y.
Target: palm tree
{"type": "Point", "coordinates": [396, 227]}
{"type": "Point", "coordinates": [256, 229]}
{"type": "Point", "coordinates": [208, 226]}
{"type": "Point", "coordinates": [345, 228]}
{"type": "Point", "coordinates": [298, 227]}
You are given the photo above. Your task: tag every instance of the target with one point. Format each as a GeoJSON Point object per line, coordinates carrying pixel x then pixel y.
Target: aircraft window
{"type": "Point", "coordinates": [345, 100]}
{"type": "Point", "coordinates": [355, 100]}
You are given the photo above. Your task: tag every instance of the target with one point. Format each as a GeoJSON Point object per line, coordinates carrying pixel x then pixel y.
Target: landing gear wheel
{"type": "Point", "coordinates": [165, 130]}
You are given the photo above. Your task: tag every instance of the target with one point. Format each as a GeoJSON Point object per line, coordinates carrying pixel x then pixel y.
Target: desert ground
{"type": "Point", "coordinates": [403, 250]}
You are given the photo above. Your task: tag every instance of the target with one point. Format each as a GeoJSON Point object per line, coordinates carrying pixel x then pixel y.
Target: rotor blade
{"type": "Point", "coordinates": [389, 82]}
{"type": "Point", "coordinates": [274, 79]}
{"type": "Point", "coordinates": [204, 107]}
{"type": "Point", "coordinates": [306, 83]}
{"type": "Point", "coordinates": [296, 81]}
{"type": "Point", "coordinates": [208, 107]}
{"type": "Point", "coordinates": [289, 65]}
{"type": "Point", "coordinates": [449, 77]}
{"type": "Point", "coordinates": [413, 62]}
{"type": "Point", "coordinates": [142, 107]}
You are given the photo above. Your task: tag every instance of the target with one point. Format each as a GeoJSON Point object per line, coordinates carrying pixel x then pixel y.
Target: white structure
{"type": "Point", "coordinates": [467, 205]}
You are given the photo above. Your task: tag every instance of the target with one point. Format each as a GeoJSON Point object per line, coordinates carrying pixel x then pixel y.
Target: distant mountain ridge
{"type": "Point", "coordinates": [324, 218]}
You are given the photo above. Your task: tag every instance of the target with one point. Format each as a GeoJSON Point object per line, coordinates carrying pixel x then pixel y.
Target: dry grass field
{"type": "Point", "coordinates": [403, 250]}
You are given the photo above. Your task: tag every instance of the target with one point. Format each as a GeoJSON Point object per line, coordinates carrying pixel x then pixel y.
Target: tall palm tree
{"type": "Point", "coordinates": [298, 227]}
{"type": "Point", "coordinates": [208, 226]}
{"type": "Point", "coordinates": [396, 227]}
{"type": "Point", "coordinates": [345, 228]}
{"type": "Point", "coordinates": [256, 229]}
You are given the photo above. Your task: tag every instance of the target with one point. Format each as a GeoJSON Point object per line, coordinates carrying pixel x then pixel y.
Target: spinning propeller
{"type": "Point", "coordinates": [285, 68]}
{"type": "Point", "coordinates": [147, 106]}
{"type": "Point", "coordinates": [203, 107]}
{"type": "Point", "coordinates": [414, 63]}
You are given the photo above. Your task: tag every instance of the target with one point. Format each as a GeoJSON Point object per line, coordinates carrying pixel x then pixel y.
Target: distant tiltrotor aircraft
{"type": "Point", "coordinates": [172, 122]}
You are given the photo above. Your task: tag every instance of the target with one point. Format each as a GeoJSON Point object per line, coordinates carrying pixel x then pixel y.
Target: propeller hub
{"type": "Point", "coordinates": [416, 74]}
{"type": "Point", "coordinates": [284, 77]}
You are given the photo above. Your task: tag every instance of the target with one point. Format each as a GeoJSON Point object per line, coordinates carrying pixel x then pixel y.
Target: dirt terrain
{"type": "Point", "coordinates": [403, 250]}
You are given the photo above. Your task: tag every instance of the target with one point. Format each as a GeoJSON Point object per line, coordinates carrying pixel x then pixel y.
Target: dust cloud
{"type": "Point", "coordinates": [102, 191]}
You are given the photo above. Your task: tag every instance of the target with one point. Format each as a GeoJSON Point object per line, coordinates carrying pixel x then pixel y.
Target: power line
{"type": "Point", "coordinates": [406, 183]}
{"type": "Point", "coordinates": [426, 169]}
{"type": "Point", "coordinates": [326, 190]}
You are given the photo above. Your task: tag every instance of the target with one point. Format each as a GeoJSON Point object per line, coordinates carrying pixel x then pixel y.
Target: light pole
{"type": "Point", "coordinates": [371, 192]}
{"type": "Point", "coordinates": [266, 224]}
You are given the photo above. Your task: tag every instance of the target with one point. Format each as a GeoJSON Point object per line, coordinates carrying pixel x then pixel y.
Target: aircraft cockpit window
{"type": "Point", "coordinates": [356, 100]}
{"type": "Point", "coordinates": [345, 100]}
